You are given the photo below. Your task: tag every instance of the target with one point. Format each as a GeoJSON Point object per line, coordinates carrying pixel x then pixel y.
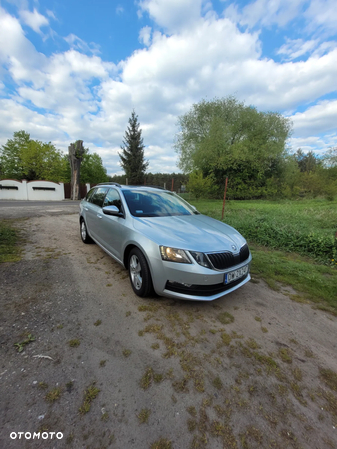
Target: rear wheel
{"type": "Point", "coordinates": [139, 273]}
{"type": "Point", "coordinates": [84, 232]}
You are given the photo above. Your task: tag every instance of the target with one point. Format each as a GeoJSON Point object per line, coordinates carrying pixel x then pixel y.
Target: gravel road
{"type": "Point", "coordinates": [108, 369]}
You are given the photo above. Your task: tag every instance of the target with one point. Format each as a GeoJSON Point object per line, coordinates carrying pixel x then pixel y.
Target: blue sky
{"type": "Point", "coordinates": [75, 69]}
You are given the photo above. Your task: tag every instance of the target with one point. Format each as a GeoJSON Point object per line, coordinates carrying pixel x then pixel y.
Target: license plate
{"type": "Point", "coordinates": [236, 274]}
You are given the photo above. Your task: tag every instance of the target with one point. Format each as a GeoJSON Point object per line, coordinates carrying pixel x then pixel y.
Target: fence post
{"type": "Point", "coordinates": [224, 199]}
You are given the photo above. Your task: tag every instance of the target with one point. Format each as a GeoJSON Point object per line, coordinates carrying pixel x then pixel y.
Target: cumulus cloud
{"type": "Point", "coordinates": [75, 94]}
{"type": "Point", "coordinates": [320, 118]}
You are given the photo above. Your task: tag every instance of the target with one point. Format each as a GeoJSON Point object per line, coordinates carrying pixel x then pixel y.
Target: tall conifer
{"type": "Point", "coordinates": [132, 155]}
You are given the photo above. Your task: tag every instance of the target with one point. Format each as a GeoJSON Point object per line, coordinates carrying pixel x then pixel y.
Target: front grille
{"type": "Point", "coordinates": [244, 253]}
{"type": "Point", "coordinates": [221, 261]}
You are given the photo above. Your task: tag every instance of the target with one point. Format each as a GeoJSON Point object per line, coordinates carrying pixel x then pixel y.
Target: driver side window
{"type": "Point", "coordinates": [113, 199]}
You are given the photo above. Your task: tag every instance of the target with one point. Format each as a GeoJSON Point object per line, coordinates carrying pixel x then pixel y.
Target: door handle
{"type": "Point", "coordinates": [99, 216]}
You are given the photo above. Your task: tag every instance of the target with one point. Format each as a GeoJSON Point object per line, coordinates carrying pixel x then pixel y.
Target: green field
{"type": "Point", "coordinates": [292, 242]}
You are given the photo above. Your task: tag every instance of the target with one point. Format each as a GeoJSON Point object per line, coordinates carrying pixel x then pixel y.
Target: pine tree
{"type": "Point", "coordinates": [132, 156]}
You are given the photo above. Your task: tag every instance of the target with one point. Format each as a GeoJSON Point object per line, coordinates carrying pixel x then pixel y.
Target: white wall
{"type": "Point", "coordinates": [25, 190]}
{"type": "Point", "coordinates": [38, 194]}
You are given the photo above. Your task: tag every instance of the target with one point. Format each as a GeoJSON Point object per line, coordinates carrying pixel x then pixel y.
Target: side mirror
{"type": "Point", "coordinates": [112, 210]}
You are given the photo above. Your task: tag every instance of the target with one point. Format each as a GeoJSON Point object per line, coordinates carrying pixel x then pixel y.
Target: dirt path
{"type": "Point", "coordinates": [251, 370]}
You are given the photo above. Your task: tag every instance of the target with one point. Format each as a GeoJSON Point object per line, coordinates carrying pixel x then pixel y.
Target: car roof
{"type": "Point", "coordinates": [130, 187]}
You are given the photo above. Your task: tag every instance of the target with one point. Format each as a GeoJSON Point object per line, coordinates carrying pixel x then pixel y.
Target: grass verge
{"type": "Point", "coordinates": [317, 282]}
{"type": "Point", "coordinates": [10, 251]}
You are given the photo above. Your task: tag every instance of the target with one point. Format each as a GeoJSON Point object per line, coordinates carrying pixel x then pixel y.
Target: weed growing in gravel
{"type": "Point", "coordinates": [126, 352]}
{"type": "Point", "coordinates": [217, 383]}
{"type": "Point", "coordinates": [53, 395]}
{"type": "Point", "coordinates": [329, 377]}
{"type": "Point", "coordinates": [98, 322]}
{"type": "Point", "coordinates": [105, 417]}
{"type": "Point", "coordinates": [43, 385]}
{"type": "Point", "coordinates": [20, 346]}
{"type": "Point", "coordinates": [225, 318]}
{"type": "Point", "coordinates": [102, 363]}
{"type": "Point", "coordinates": [89, 395]}
{"type": "Point", "coordinates": [143, 416]}
{"type": "Point", "coordinates": [285, 355]}
{"type": "Point", "coordinates": [162, 443]}
{"type": "Point", "coordinates": [74, 343]}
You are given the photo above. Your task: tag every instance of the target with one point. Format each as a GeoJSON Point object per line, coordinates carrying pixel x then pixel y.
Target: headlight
{"type": "Point", "coordinates": [174, 255]}
{"type": "Point", "coordinates": [201, 259]}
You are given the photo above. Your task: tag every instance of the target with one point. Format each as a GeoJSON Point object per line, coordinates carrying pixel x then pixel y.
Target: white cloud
{"type": "Point", "coordinates": [174, 15]}
{"type": "Point", "coordinates": [74, 94]}
{"type": "Point", "coordinates": [320, 118]}
{"type": "Point", "coordinates": [294, 48]}
{"type": "Point", "coordinates": [34, 19]}
{"type": "Point", "coordinates": [145, 35]}
{"type": "Point", "coordinates": [265, 12]}
{"type": "Point", "coordinates": [77, 43]}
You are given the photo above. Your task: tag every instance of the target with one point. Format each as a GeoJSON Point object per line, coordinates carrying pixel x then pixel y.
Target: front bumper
{"type": "Point", "coordinates": [194, 282]}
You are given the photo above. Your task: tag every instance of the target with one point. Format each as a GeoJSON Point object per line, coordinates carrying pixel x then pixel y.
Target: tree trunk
{"type": "Point", "coordinates": [76, 151]}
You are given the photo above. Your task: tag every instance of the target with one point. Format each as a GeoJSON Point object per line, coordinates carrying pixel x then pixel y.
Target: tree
{"type": "Point", "coordinates": [92, 169]}
{"type": "Point", "coordinates": [307, 162]}
{"type": "Point", "coordinates": [223, 137]}
{"type": "Point", "coordinates": [132, 156]}
{"type": "Point", "coordinates": [76, 152]}
{"type": "Point", "coordinates": [25, 158]}
{"type": "Point", "coordinates": [10, 158]}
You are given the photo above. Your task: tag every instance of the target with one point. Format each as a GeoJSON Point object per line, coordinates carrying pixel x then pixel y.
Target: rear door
{"type": "Point", "coordinates": [112, 229]}
{"type": "Point", "coordinates": [94, 212]}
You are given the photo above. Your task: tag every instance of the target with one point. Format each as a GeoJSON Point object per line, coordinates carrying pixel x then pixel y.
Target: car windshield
{"type": "Point", "coordinates": [156, 204]}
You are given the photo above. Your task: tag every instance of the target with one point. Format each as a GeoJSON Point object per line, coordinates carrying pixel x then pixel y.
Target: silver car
{"type": "Point", "coordinates": [164, 242]}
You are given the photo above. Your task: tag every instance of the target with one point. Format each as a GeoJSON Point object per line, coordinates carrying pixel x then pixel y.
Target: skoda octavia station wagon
{"type": "Point", "coordinates": [164, 242]}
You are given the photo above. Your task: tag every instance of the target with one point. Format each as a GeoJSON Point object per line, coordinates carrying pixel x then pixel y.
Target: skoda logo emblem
{"type": "Point", "coordinates": [233, 247]}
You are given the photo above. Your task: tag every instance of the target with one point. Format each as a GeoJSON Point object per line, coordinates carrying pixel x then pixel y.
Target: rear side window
{"type": "Point", "coordinates": [98, 196]}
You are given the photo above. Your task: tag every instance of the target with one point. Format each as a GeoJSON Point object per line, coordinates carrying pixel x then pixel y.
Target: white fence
{"type": "Point", "coordinates": [11, 189]}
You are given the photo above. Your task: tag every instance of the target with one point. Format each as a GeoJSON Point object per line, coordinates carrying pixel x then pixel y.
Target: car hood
{"type": "Point", "coordinates": [190, 232]}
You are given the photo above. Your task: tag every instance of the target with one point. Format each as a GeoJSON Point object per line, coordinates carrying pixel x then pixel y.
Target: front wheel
{"type": "Point", "coordinates": [84, 232]}
{"type": "Point", "coordinates": [139, 273]}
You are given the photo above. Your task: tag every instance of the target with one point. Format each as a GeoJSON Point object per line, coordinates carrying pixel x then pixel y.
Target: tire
{"type": "Point", "coordinates": [139, 273]}
{"type": "Point", "coordinates": [84, 232]}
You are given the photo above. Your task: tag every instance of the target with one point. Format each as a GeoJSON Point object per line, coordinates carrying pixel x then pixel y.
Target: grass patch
{"type": "Point", "coordinates": [53, 395]}
{"type": "Point", "coordinates": [126, 352]}
{"type": "Point", "coordinates": [225, 318]}
{"type": "Point", "coordinates": [10, 250]}
{"type": "Point", "coordinates": [217, 383]}
{"type": "Point", "coordinates": [89, 395]}
{"type": "Point", "coordinates": [74, 343]}
{"type": "Point", "coordinates": [329, 377]}
{"type": "Point", "coordinates": [317, 282]}
{"type": "Point", "coordinates": [307, 227]}
{"type": "Point", "coordinates": [143, 416]}
{"type": "Point", "coordinates": [292, 242]}
{"type": "Point", "coordinates": [97, 323]}
{"type": "Point", "coordinates": [162, 443]}
{"type": "Point", "coordinates": [285, 355]}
